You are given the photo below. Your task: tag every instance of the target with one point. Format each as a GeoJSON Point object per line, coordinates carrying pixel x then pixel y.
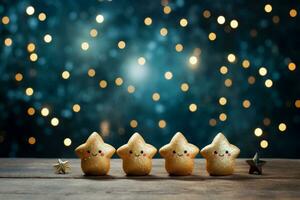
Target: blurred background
{"type": "Point", "coordinates": [69, 68]}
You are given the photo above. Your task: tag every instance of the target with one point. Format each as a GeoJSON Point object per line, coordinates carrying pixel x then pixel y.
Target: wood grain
{"type": "Point", "coordinates": [35, 179]}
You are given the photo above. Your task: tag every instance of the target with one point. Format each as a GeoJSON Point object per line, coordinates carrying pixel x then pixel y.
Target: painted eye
{"type": "Point", "coordinates": [215, 152]}
{"type": "Point", "coordinates": [174, 151]}
{"type": "Point", "coordinates": [130, 152]}
{"type": "Point", "coordinates": [185, 151]}
{"type": "Point", "coordinates": [100, 151]}
{"type": "Point", "coordinates": [226, 152]}
{"type": "Point", "coordinates": [142, 152]}
{"type": "Point", "coordinates": [88, 151]}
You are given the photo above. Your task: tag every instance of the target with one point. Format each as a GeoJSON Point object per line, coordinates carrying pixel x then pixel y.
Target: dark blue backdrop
{"type": "Point", "coordinates": [69, 68]}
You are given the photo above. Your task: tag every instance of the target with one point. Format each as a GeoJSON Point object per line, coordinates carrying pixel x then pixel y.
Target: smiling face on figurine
{"type": "Point", "coordinates": [179, 155]}
{"type": "Point", "coordinates": [95, 155]}
{"type": "Point", "coordinates": [137, 156]}
{"type": "Point", "coordinates": [220, 156]}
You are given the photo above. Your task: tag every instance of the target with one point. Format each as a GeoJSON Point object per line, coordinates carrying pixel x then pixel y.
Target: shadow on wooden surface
{"type": "Point", "coordinates": [35, 179]}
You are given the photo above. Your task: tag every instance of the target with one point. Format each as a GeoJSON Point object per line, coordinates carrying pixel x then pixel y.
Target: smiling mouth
{"type": "Point", "coordinates": [221, 155]}
{"type": "Point", "coordinates": [179, 155]}
{"type": "Point", "coordinates": [94, 154]}
{"type": "Point", "coordinates": [136, 155]}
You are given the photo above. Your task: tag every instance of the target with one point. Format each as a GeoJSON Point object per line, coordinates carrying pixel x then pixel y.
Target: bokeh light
{"type": "Point", "coordinates": [193, 107]}
{"type": "Point", "coordinates": [199, 68]}
{"type": "Point", "coordinates": [67, 142]}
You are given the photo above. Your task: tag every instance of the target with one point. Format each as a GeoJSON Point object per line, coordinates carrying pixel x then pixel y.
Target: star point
{"type": "Point", "coordinates": [255, 165]}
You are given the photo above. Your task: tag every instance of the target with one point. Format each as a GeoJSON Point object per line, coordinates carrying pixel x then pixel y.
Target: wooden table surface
{"type": "Point", "coordinates": [35, 179]}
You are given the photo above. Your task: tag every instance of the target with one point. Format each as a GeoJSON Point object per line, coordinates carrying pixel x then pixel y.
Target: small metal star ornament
{"type": "Point", "coordinates": [62, 167]}
{"type": "Point", "coordinates": [255, 165]}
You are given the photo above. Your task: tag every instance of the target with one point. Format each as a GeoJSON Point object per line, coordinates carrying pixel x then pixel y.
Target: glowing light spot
{"type": "Point", "coordinates": [228, 82]}
{"type": "Point", "coordinates": [268, 83]}
{"type": "Point", "coordinates": [282, 127]}
{"type": "Point", "coordinates": [167, 10]}
{"type": "Point", "coordinates": [85, 46]}
{"type": "Point", "coordinates": [91, 72]}
{"type": "Point", "coordinates": [275, 19]}
{"type": "Point", "coordinates": [163, 31]}
{"type": "Point", "coordinates": [103, 84]}
{"type": "Point", "coordinates": [162, 123]}
{"type": "Point", "coordinates": [193, 60]}
{"type": "Point", "coordinates": [184, 87]}
{"type": "Point", "coordinates": [76, 108]}
{"type": "Point", "coordinates": [5, 20]}
{"type": "Point", "coordinates": [42, 17]}
{"type": "Point", "coordinates": [99, 19]}
{"type": "Point", "coordinates": [293, 13]}
{"type": "Point", "coordinates": [193, 107]}
{"type": "Point", "coordinates": [131, 89]}
{"type": "Point", "coordinates": [19, 77]}
{"type": "Point", "coordinates": [29, 91]}
{"type": "Point", "coordinates": [292, 66]}
{"type": "Point", "coordinates": [178, 47]}
{"type": "Point", "coordinates": [45, 112]}
{"type": "Point", "coordinates": [121, 44]}
{"type": "Point", "coordinates": [67, 142]}
{"type": "Point", "coordinates": [267, 121]}
{"type": "Point", "coordinates": [30, 10]}
{"type": "Point", "coordinates": [54, 121]}
{"type": "Point", "coordinates": [93, 32]}
{"type": "Point", "coordinates": [297, 103]}
{"type": "Point", "coordinates": [206, 14]}
{"type": "Point", "coordinates": [119, 81]}
{"type": "Point", "coordinates": [212, 122]}
{"type": "Point", "coordinates": [141, 60]}
{"type": "Point", "coordinates": [31, 140]}
{"type": "Point", "coordinates": [183, 22]}
{"type": "Point", "coordinates": [246, 103]}
{"type": "Point", "coordinates": [264, 144]}
{"type": "Point", "coordinates": [8, 42]}
{"type": "Point", "coordinates": [231, 58]}
{"type": "Point", "coordinates": [155, 96]}
{"type": "Point", "coordinates": [258, 132]}
{"type": "Point", "coordinates": [221, 19]}
{"type": "Point", "coordinates": [268, 8]}
{"type": "Point", "coordinates": [222, 117]}
{"type": "Point", "coordinates": [251, 80]}
{"type": "Point", "coordinates": [222, 101]}
{"type": "Point", "coordinates": [212, 36]}
{"type": "Point", "coordinates": [223, 70]}
{"type": "Point", "coordinates": [262, 71]}
{"type": "Point", "coordinates": [234, 24]}
{"type": "Point", "coordinates": [168, 75]}
{"type": "Point", "coordinates": [30, 47]}
{"type": "Point", "coordinates": [65, 74]}
{"type": "Point", "coordinates": [148, 21]}
{"type": "Point", "coordinates": [133, 123]}
{"type": "Point", "coordinates": [31, 111]}
{"type": "Point", "coordinates": [246, 64]}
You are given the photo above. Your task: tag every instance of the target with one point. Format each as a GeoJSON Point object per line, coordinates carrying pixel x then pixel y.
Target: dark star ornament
{"type": "Point", "coordinates": [255, 165]}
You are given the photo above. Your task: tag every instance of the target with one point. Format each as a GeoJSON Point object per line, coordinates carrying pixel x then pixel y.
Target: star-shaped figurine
{"type": "Point", "coordinates": [62, 167]}
{"type": "Point", "coordinates": [137, 156]}
{"type": "Point", "coordinates": [220, 156]}
{"type": "Point", "coordinates": [179, 155]}
{"type": "Point", "coordinates": [95, 155]}
{"type": "Point", "coordinates": [255, 165]}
